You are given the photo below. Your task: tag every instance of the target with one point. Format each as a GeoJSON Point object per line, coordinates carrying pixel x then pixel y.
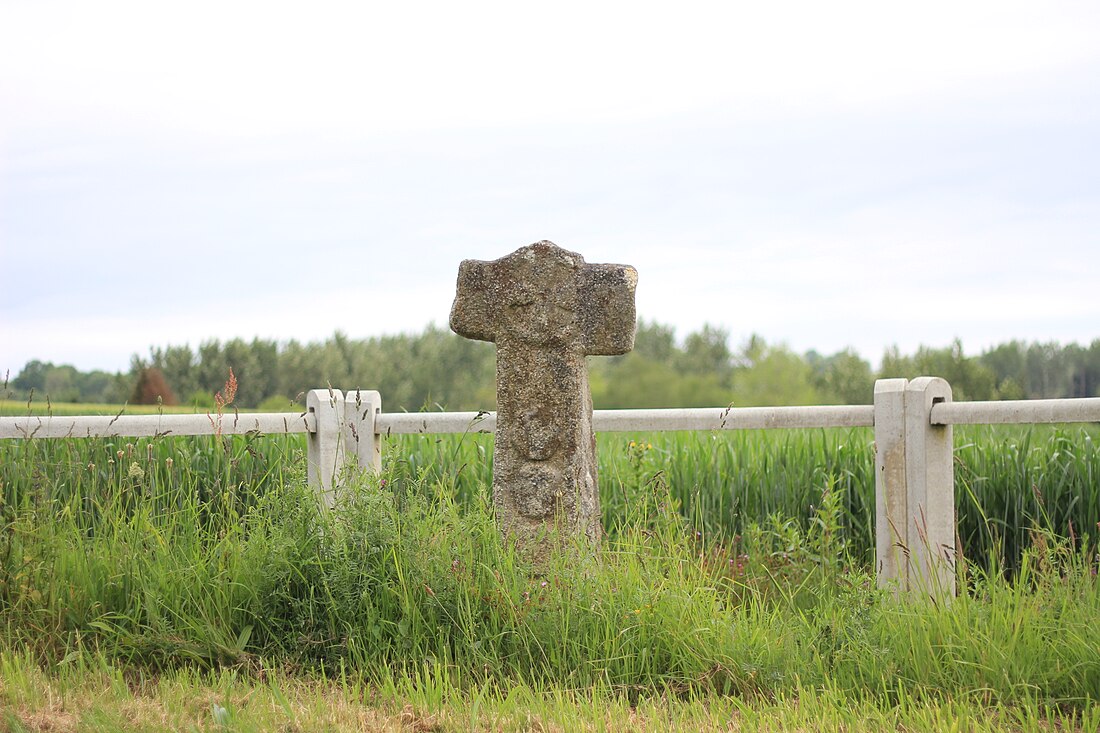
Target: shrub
{"type": "Point", "coordinates": [152, 389]}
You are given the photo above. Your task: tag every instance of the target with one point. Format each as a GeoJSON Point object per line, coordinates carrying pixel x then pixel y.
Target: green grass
{"type": "Point", "coordinates": [1008, 480]}
{"type": "Point", "coordinates": [10, 408]}
{"type": "Point", "coordinates": [179, 573]}
{"type": "Point", "coordinates": [95, 695]}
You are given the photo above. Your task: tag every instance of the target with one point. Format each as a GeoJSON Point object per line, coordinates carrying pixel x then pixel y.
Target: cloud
{"type": "Point", "coordinates": [866, 174]}
{"type": "Point", "coordinates": [243, 69]}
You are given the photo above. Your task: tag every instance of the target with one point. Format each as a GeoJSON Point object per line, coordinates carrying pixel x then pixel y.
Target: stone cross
{"type": "Point", "coordinates": [545, 309]}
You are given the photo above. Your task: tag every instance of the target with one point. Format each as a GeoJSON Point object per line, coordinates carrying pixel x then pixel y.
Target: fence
{"type": "Point", "coordinates": [912, 421]}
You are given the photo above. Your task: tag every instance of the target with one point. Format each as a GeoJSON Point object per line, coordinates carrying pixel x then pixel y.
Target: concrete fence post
{"type": "Point", "coordinates": [891, 499]}
{"type": "Point", "coordinates": [361, 437]}
{"type": "Point", "coordinates": [930, 489]}
{"type": "Point", "coordinates": [325, 451]}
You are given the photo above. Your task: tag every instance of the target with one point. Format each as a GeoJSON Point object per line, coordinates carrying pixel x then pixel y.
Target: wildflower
{"type": "Point", "coordinates": [136, 472]}
{"type": "Point", "coordinates": [91, 466]}
{"type": "Point", "coordinates": [168, 462]}
{"type": "Point", "coordinates": [428, 588]}
{"type": "Point", "coordinates": [119, 454]}
{"type": "Point", "coordinates": [222, 399]}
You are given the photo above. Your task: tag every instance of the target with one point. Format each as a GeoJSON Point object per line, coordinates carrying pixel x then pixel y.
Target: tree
{"type": "Point", "coordinates": [1094, 367]}
{"type": "Point", "coordinates": [33, 376]}
{"type": "Point", "coordinates": [635, 381]}
{"type": "Point", "coordinates": [1008, 362]}
{"type": "Point", "coordinates": [61, 384]}
{"type": "Point", "coordinates": [968, 377]}
{"type": "Point", "coordinates": [655, 342]}
{"type": "Point", "coordinates": [1084, 369]}
{"type": "Point", "coordinates": [98, 386]}
{"type": "Point", "coordinates": [708, 352]}
{"type": "Point", "coordinates": [844, 377]}
{"type": "Point", "coordinates": [178, 364]}
{"type": "Point", "coordinates": [1047, 375]}
{"type": "Point", "coordinates": [152, 389]}
{"type": "Point", "coordinates": [772, 375]}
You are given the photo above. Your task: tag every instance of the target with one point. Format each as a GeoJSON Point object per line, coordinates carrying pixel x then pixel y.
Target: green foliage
{"type": "Point", "coordinates": [278, 403]}
{"type": "Point", "coordinates": [65, 384]}
{"type": "Point", "coordinates": [201, 400]}
{"type": "Point", "coordinates": [400, 581]}
{"type": "Point", "coordinates": [636, 382]}
{"type": "Point", "coordinates": [969, 378]}
{"type": "Point", "coordinates": [1008, 480]}
{"type": "Point", "coordinates": [99, 695]}
{"type": "Point", "coordinates": [659, 373]}
{"type": "Point", "coordinates": [722, 482]}
{"type": "Point", "coordinates": [655, 341]}
{"type": "Point", "coordinates": [435, 368]}
{"type": "Point", "coordinates": [843, 378]}
{"type": "Point", "coordinates": [1046, 370]}
{"type": "Point", "coordinates": [773, 375]}
{"type": "Point", "coordinates": [707, 352]}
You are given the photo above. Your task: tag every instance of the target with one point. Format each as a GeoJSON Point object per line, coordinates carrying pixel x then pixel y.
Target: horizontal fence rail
{"type": "Point", "coordinates": [628, 421]}
{"type": "Point", "coordinates": [150, 426]}
{"type": "Point", "coordinates": [735, 418]}
{"type": "Point", "coordinates": [409, 423]}
{"type": "Point", "coordinates": [414, 423]}
{"type": "Point", "coordinates": [1016, 412]}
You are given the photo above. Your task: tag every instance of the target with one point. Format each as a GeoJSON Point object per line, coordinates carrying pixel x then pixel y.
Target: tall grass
{"type": "Point", "coordinates": [735, 569]}
{"type": "Point", "coordinates": [95, 695]}
{"type": "Point", "coordinates": [401, 581]}
{"type": "Point", "coordinates": [208, 471]}
{"type": "Point", "coordinates": [1008, 480]}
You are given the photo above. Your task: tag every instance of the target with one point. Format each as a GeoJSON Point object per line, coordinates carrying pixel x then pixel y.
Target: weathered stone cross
{"type": "Point", "coordinates": [546, 309]}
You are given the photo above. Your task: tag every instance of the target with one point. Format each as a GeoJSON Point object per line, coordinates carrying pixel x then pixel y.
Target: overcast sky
{"type": "Point", "coordinates": [824, 174]}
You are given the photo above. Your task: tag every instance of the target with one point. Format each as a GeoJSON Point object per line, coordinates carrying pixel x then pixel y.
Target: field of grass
{"type": "Point", "coordinates": [193, 583]}
{"type": "Point", "coordinates": [1009, 480]}
{"type": "Point", "coordinates": [102, 697]}
{"type": "Point", "coordinates": [37, 407]}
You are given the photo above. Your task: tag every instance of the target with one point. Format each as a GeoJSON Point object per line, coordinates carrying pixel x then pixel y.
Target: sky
{"type": "Point", "coordinates": [826, 175]}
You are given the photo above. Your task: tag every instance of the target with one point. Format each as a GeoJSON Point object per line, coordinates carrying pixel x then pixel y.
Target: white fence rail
{"type": "Point", "coordinates": [154, 426]}
{"type": "Point", "coordinates": [912, 421]}
{"type": "Point", "coordinates": [631, 421]}
{"type": "Point", "coordinates": [1016, 411]}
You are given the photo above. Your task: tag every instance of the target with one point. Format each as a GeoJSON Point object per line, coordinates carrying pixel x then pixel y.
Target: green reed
{"type": "Point", "coordinates": [399, 581]}
{"type": "Point", "coordinates": [213, 472]}
{"type": "Point", "coordinates": [1009, 481]}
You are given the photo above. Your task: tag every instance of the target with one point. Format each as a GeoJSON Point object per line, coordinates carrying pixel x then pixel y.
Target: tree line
{"type": "Point", "coordinates": [435, 369]}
